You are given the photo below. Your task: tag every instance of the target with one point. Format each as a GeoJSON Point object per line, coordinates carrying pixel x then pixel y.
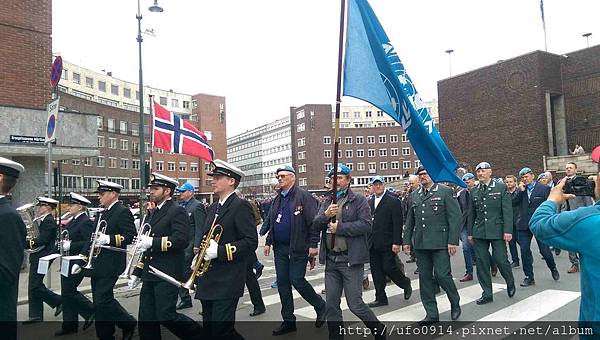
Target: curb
{"type": "Point", "coordinates": [84, 290]}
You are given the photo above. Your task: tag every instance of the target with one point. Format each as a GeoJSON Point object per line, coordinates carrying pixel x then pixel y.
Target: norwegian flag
{"type": "Point", "coordinates": [173, 134]}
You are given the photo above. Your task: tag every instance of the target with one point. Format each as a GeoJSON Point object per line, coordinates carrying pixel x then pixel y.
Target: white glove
{"type": "Point", "coordinates": [76, 269]}
{"type": "Point", "coordinates": [211, 252]}
{"type": "Point", "coordinates": [102, 239]}
{"type": "Point", "coordinates": [66, 245]}
{"type": "Point", "coordinates": [193, 261]}
{"type": "Point", "coordinates": [145, 243]}
{"type": "Point", "coordinates": [133, 282]}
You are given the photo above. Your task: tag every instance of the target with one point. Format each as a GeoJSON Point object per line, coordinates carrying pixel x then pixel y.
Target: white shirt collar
{"type": "Point", "coordinates": [77, 216]}
{"type": "Point", "coordinates": [2, 196]}
{"type": "Point", "coordinates": [163, 203]}
{"type": "Point", "coordinates": [111, 205]}
{"type": "Point", "coordinates": [44, 216]}
{"type": "Point", "coordinates": [221, 202]}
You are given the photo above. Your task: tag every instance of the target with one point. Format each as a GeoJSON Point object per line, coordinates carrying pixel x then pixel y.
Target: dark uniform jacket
{"type": "Point", "coordinates": [80, 230]}
{"type": "Point", "coordinates": [13, 243]}
{"type": "Point", "coordinates": [226, 277]}
{"type": "Point", "coordinates": [434, 219]}
{"type": "Point", "coordinates": [46, 238]}
{"type": "Point", "coordinates": [387, 222]}
{"type": "Point", "coordinates": [462, 196]}
{"type": "Point", "coordinates": [303, 208]}
{"type": "Point", "coordinates": [121, 230]}
{"type": "Point", "coordinates": [527, 205]}
{"type": "Point", "coordinates": [355, 226]}
{"type": "Point", "coordinates": [170, 237]}
{"type": "Point", "coordinates": [197, 216]}
{"type": "Point", "coordinates": [490, 212]}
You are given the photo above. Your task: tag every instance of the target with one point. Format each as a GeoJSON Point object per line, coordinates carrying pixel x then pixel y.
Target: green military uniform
{"type": "Point", "coordinates": [489, 218]}
{"type": "Point", "coordinates": [434, 218]}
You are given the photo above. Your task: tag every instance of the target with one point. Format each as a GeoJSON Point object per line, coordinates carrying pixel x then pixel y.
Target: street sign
{"type": "Point", "coordinates": [56, 73]}
{"type": "Point", "coordinates": [52, 120]}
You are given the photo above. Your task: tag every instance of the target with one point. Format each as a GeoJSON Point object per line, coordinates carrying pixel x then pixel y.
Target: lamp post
{"type": "Point", "coordinates": [142, 148]}
{"type": "Point", "coordinates": [587, 38]}
{"type": "Point", "coordinates": [450, 61]}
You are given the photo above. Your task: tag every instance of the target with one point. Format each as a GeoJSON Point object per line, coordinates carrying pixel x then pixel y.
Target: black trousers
{"type": "Point", "coordinates": [8, 309]}
{"type": "Point", "coordinates": [252, 284]}
{"type": "Point", "coordinates": [74, 303]}
{"type": "Point", "coordinates": [219, 319]}
{"type": "Point", "coordinates": [383, 263]}
{"type": "Point", "coordinates": [108, 310]}
{"type": "Point", "coordinates": [38, 293]}
{"type": "Point", "coordinates": [157, 306]}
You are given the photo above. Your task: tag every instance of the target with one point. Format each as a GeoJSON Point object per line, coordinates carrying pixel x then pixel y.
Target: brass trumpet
{"type": "Point", "coordinates": [94, 248]}
{"type": "Point", "coordinates": [135, 257]}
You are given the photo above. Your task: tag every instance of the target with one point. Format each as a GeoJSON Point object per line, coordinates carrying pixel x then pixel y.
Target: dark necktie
{"type": "Point", "coordinates": [219, 205]}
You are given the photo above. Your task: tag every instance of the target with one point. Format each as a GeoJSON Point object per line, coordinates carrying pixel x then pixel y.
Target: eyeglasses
{"type": "Point", "coordinates": [281, 176]}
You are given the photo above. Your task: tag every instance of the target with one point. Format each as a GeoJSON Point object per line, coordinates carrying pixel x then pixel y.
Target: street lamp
{"type": "Point", "coordinates": [450, 61]}
{"type": "Point", "coordinates": [587, 38]}
{"type": "Point", "coordinates": [142, 149]}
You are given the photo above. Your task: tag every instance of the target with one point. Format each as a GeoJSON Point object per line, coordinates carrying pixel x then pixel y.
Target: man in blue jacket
{"type": "Point", "coordinates": [576, 231]}
{"type": "Point", "coordinates": [290, 220]}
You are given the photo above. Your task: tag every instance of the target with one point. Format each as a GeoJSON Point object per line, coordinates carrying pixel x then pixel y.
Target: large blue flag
{"type": "Point", "coordinates": [374, 73]}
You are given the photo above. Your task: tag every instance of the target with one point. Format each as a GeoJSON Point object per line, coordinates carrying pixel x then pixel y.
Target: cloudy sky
{"type": "Point", "coordinates": [268, 55]}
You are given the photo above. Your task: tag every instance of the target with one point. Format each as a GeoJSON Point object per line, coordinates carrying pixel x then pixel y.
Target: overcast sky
{"type": "Point", "coordinates": [268, 55]}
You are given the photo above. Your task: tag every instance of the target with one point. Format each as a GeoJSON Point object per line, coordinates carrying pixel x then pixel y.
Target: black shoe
{"type": "Point", "coordinates": [407, 293]}
{"type": "Point", "coordinates": [89, 322]}
{"type": "Point", "coordinates": [32, 320]}
{"type": "Point", "coordinates": [511, 289]}
{"type": "Point", "coordinates": [555, 275]}
{"type": "Point", "coordinates": [258, 311]}
{"type": "Point", "coordinates": [528, 282]}
{"type": "Point", "coordinates": [259, 271]}
{"type": "Point", "coordinates": [515, 264]}
{"type": "Point", "coordinates": [455, 313]}
{"type": "Point", "coordinates": [65, 332]}
{"type": "Point", "coordinates": [320, 317]}
{"type": "Point", "coordinates": [128, 333]}
{"type": "Point", "coordinates": [377, 303]}
{"type": "Point", "coordinates": [183, 305]}
{"type": "Point", "coordinates": [58, 310]}
{"type": "Point", "coordinates": [286, 327]}
{"type": "Point", "coordinates": [483, 300]}
{"type": "Point", "coordinates": [428, 321]}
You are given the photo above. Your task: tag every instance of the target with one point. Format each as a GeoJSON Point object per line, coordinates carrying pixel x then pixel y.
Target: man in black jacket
{"type": "Point", "coordinates": [79, 229]}
{"type": "Point", "coordinates": [11, 252]}
{"type": "Point", "coordinates": [386, 240]}
{"type": "Point", "coordinates": [294, 241]}
{"type": "Point", "coordinates": [164, 250]}
{"type": "Point", "coordinates": [221, 287]}
{"type": "Point", "coordinates": [37, 291]}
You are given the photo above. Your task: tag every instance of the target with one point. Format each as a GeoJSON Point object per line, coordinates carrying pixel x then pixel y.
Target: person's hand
{"type": "Point", "coordinates": [196, 250]}
{"type": "Point", "coordinates": [312, 262]}
{"type": "Point", "coordinates": [396, 248]}
{"type": "Point", "coordinates": [312, 252]}
{"type": "Point", "coordinates": [522, 185]}
{"type": "Point", "coordinates": [406, 248]}
{"type": "Point", "coordinates": [331, 210]}
{"type": "Point", "coordinates": [133, 282]}
{"type": "Point", "coordinates": [102, 239]}
{"type": "Point", "coordinates": [452, 249]}
{"type": "Point", "coordinates": [507, 237]}
{"type": "Point", "coordinates": [76, 269]}
{"type": "Point", "coordinates": [557, 195]}
{"type": "Point", "coordinates": [267, 250]}
{"type": "Point", "coordinates": [211, 252]}
{"type": "Point", "coordinates": [194, 262]}
{"type": "Point", "coordinates": [66, 245]}
{"type": "Point", "coordinates": [332, 227]}
{"type": "Point", "coordinates": [145, 243]}
{"type": "Point", "coordinates": [470, 238]}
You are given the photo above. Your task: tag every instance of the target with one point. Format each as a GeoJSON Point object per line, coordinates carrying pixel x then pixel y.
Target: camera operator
{"type": "Point", "coordinates": [577, 231]}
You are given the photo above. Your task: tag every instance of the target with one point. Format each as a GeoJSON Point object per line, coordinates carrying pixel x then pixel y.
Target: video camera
{"type": "Point", "coordinates": [579, 186]}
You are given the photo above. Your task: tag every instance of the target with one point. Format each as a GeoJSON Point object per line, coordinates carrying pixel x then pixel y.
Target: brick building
{"type": "Point", "coordinates": [523, 111]}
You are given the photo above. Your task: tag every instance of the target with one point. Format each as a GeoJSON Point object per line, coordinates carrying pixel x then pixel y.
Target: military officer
{"type": "Point", "coordinates": [433, 218]}
{"type": "Point", "coordinates": [80, 229]}
{"type": "Point", "coordinates": [164, 250]}
{"type": "Point", "coordinates": [11, 252]}
{"type": "Point", "coordinates": [220, 288]}
{"type": "Point", "coordinates": [489, 222]}
{"type": "Point", "coordinates": [37, 291]}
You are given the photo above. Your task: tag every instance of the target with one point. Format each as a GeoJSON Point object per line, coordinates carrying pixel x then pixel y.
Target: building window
{"type": "Point", "coordinates": [379, 113]}
{"type": "Point", "coordinates": [302, 182]}
{"type": "Point", "coordinates": [383, 165]}
{"type": "Point", "coordinates": [163, 100]}
{"type": "Point", "coordinates": [417, 163]}
{"type": "Point", "coordinates": [160, 166]}
{"type": "Point", "coordinates": [76, 161]}
{"type": "Point", "coordinates": [382, 152]}
{"type": "Point", "coordinates": [395, 165]}
{"type": "Point", "coordinates": [348, 140]}
{"type": "Point", "coordinates": [171, 166]}
{"type": "Point", "coordinates": [393, 138]}
{"type": "Point", "coordinates": [100, 141]}
{"type": "Point", "coordinates": [124, 144]}
{"type": "Point", "coordinates": [114, 89]}
{"type": "Point", "coordinates": [147, 147]}
{"type": "Point", "coordinates": [370, 139]}
{"type": "Point", "coordinates": [360, 166]}
{"type": "Point", "coordinates": [349, 153]}
{"type": "Point", "coordinates": [372, 167]}
{"type": "Point", "coordinates": [326, 140]}
{"type": "Point", "coordinates": [102, 86]}
{"type": "Point", "coordinates": [100, 122]}
{"type": "Point", "coordinates": [135, 129]}
{"type": "Point", "coordinates": [123, 127]}
{"type": "Point", "coordinates": [356, 114]}
{"type": "Point", "coordinates": [175, 102]}
{"type": "Point", "coordinates": [326, 153]}
{"type": "Point", "coordinates": [76, 78]}
{"type": "Point", "coordinates": [404, 139]}
{"type": "Point", "coordinates": [89, 82]}
{"type": "Point", "coordinates": [360, 139]}
{"type": "Point", "coordinates": [394, 152]}
{"type": "Point", "coordinates": [137, 95]}
{"type": "Point", "coordinates": [371, 153]}
{"type": "Point", "coordinates": [405, 151]}
{"type": "Point", "coordinates": [135, 183]}
{"type": "Point", "coordinates": [186, 104]}
{"type": "Point", "coordinates": [111, 125]}
{"type": "Point", "coordinates": [112, 162]}
{"type": "Point", "coordinates": [302, 155]}
{"type": "Point", "coordinates": [124, 163]}
{"type": "Point", "coordinates": [350, 165]}
{"type": "Point", "coordinates": [327, 166]}
{"type": "Point", "coordinates": [382, 139]}
{"type": "Point", "coordinates": [360, 153]}
{"type": "Point", "coordinates": [65, 74]}
{"type": "Point", "coordinates": [112, 143]}
{"type": "Point", "coordinates": [406, 165]}
{"type": "Point", "coordinates": [135, 164]}
{"type": "Point", "coordinates": [301, 142]}
{"type": "Point", "coordinates": [135, 148]}
{"type": "Point", "coordinates": [127, 92]}
{"type": "Point", "coordinates": [368, 114]}
{"type": "Point", "coordinates": [339, 153]}
{"type": "Point", "coordinates": [300, 127]}
{"type": "Point", "coordinates": [301, 168]}
{"type": "Point", "coordinates": [299, 114]}
{"type": "Point", "coordinates": [194, 167]}
{"type": "Point", "coordinates": [182, 166]}
{"type": "Point", "coordinates": [87, 161]}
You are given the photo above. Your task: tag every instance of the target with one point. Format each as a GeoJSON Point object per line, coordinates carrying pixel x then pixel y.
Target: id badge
{"type": "Point", "coordinates": [278, 220]}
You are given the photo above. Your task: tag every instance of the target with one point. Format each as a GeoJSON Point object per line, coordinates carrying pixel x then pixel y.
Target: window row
{"type": "Point", "coordinates": [370, 139]}
{"type": "Point", "coordinates": [370, 153]}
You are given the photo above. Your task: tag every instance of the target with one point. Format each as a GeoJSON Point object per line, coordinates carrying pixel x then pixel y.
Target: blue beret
{"type": "Point", "coordinates": [483, 165]}
{"type": "Point", "coordinates": [342, 169]}
{"type": "Point", "coordinates": [524, 171]}
{"type": "Point", "coordinates": [467, 176]}
{"type": "Point", "coordinates": [286, 167]}
{"type": "Point", "coordinates": [540, 176]}
{"type": "Point", "coordinates": [377, 178]}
